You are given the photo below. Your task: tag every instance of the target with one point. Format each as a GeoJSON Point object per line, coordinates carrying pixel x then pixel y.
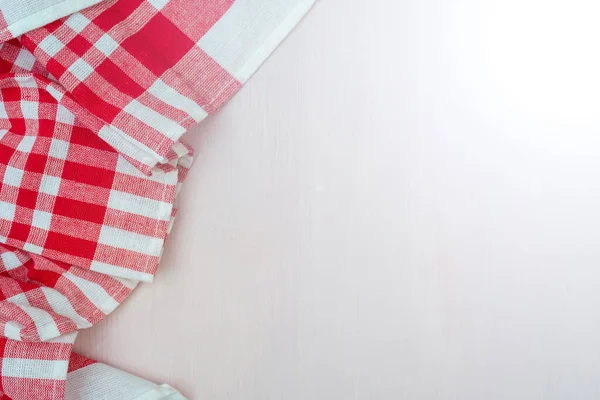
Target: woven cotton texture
{"type": "Point", "coordinates": [20, 16]}
{"type": "Point", "coordinates": [93, 105]}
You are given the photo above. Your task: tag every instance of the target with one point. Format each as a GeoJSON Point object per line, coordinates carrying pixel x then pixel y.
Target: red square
{"type": "Point", "coordinates": [46, 127]}
{"type": "Point", "coordinates": [19, 231]}
{"type": "Point", "coordinates": [79, 45]}
{"type": "Point", "coordinates": [27, 198]}
{"type": "Point", "coordinates": [94, 103]}
{"type": "Point", "coordinates": [6, 67]}
{"type": "Point", "coordinates": [45, 277]}
{"type": "Point", "coordinates": [18, 126]}
{"type": "Point", "coordinates": [6, 154]}
{"type": "Point", "coordinates": [70, 245]}
{"type": "Point", "coordinates": [88, 174]}
{"type": "Point", "coordinates": [55, 68]}
{"type": "Point", "coordinates": [11, 94]}
{"type": "Point", "coordinates": [88, 138]}
{"type": "Point", "coordinates": [79, 210]}
{"type": "Point", "coordinates": [36, 163]}
{"type": "Point", "coordinates": [119, 79]}
{"type": "Point", "coordinates": [158, 45]}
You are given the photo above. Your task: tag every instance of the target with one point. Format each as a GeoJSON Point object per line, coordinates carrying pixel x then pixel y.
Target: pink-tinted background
{"type": "Point", "coordinates": [403, 203]}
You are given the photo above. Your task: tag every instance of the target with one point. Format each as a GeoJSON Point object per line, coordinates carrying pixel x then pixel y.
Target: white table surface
{"type": "Point", "coordinates": [403, 203]}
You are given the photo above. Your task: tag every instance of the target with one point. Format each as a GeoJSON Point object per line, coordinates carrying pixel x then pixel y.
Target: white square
{"type": "Point", "coordinates": [64, 115]}
{"type": "Point", "coordinates": [7, 211]}
{"type": "Point", "coordinates": [41, 219]}
{"type": "Point", "coordinates": [29, 109]}
{"type": "Point", "coordinates": [10, 261]}
{"type": "Point", "coordinates": [26, 144]}
{"type": "Point", "coordinates": [32, 248]}
{"type": "Point", "coordinates": [25, 60]}
{"type": "Point", "coordinates": [81, 69]}
{"type": "Point", "coordinates": [132, 241]}
{"type": "Point", "coordinates": [51, 45]}
{"type": "Point", "coordinates": [13, 176]}
{"type": "Point", "coordinates": [54, 93]}
{"type": "Point", "coordinates": [12, 330]}
{"type": "Point", "coordinates": [158, 4]}
{"type": "Point", "coordinates": [26, 81]}
{"type": "Point", "coordinates": [77, 22]}
{"type": "Point", "coordinates": [59, 149]}
{"type": "Point", "coordinates": [106, 44]}
{"type": "Point", "coordinates": [49, 185]}
{"type": "Point", "coordinates": [19, 298]}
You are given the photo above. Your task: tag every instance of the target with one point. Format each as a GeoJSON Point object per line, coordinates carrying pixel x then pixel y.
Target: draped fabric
{"type": "Point", "coordinates": [94, 99]}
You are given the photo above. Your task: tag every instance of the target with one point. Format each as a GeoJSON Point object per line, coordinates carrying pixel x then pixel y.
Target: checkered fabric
{"type": "Point", "coordinates": [43, 303]}
{"type": "Point", "coordinates": [20, 16]}
{"type": "Point", "coordinates": [68, 195]}
{"type": "Point", "coordinates": [92, 110]}
{"type": "Point", "coordinates": [151, 69]}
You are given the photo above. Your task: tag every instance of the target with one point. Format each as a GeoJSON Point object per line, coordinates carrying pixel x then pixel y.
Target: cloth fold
{"type": "Point", "coordinates": [68, 195]}
{"type": "Point", "coordinates": [152, 69]}
{"type": "Point", "coordinates": [18, 17]}
{"type": "Point", "coordinates": [90, 380]}
{"type": "Point", "coordinates": [93, 106]}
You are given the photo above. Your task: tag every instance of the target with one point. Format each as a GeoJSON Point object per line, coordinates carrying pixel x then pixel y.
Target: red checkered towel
{"type": "Point", "coordinates": [18, 17]}
{"type": "Point", "coordinates": [93, 105]}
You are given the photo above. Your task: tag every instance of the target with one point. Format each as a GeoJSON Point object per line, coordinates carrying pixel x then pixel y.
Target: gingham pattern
{"type": "Point", "coordinates": [152, 69]}
{"type": "Point", "coordinates": [18, 17]}
{"type": "Point", "coordinates": [34, 370]}
{"type": "Point", "coordinates": [148, 84]}
{"type": "Point", "coordinates": [92, 109]}
{"type": "Point", "coordinates": [43, 303]}
{"type": "Point", "coordinates": [68, 195]}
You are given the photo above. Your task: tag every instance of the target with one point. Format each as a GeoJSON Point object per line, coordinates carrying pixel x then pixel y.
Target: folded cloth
{"type": "Point", "coordinates": [61, 374]}
{"type": "Point", "coordinates": [68, 195]}
{"type": "Point", "coordinates": [92, 110]}
{"type": "Point", "coordinates": [18, 17]}
{"type": "Point", "coordinates": [152, 69]}
{"type": "Point", "coordinates": [43, 303]}
{"type": "Point", "coordinates": [35, 370]}
{"type": "Point", "coordinates": [90, 380]}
